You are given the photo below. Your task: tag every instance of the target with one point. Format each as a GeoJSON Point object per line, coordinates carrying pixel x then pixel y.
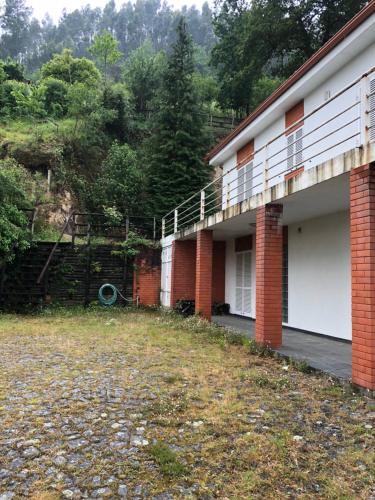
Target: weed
{"type": "Point", "coordinates": [167, 459]}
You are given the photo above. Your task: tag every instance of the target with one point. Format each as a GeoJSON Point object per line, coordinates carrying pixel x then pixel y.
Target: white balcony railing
{"type": "Point", "coordinates": [343, 122]}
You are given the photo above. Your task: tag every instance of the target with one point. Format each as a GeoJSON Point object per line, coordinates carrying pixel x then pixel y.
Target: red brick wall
{"type": "Point", "coordinates": [183, 271]}
{"type": "Point", "coordinates": [269, 246]}
{"type": "Point", "coordinates": [146, 281]}
{"type": "Point", "coordinates": [218, 271]}
{"type": "Point", "coordinates": [362, 234]}
{"type": "Point", "coordinates": [203, 280]}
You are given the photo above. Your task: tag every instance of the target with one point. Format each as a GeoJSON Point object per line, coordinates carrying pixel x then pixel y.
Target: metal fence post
{"type": "Point", "coordinates": [176, 221]}
{"type": "Point", "coordinates": [364, 110]}
{"type": "Point", "coordinates": [163, 228]}
{"type": "Point", "coordinates": [203, 196]}
{"type": "Point", "coordinates": [265, 169]}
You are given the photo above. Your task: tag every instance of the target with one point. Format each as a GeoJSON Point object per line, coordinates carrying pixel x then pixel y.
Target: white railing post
{"type": "Point", "coordinates": [203, 197]}
{"type": "Point", "coordinates": [364, 110]}
{"type": "Point", "coordinates": [265, 168]}
{"type": "Point", "coordinates": [176, 221]}
{"type": "Point", "coordinates": [228, 195]}
{"type": "Point", "coordinates": [163, 228]}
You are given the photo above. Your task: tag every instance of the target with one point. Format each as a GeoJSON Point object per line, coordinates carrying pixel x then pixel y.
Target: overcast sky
{"type": "Point", "coordinates": [55, 7]}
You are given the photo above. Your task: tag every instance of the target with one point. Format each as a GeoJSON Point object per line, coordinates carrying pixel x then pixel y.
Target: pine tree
{"type": "Point", "coordinates": [179, 140]}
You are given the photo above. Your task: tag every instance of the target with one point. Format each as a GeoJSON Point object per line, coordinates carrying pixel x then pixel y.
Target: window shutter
{"type": "Point", "coordinates": [245, 154]}
{"type": "Point", "coordinates": [245, 182]}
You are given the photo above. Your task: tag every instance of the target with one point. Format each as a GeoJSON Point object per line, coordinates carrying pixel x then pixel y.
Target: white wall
{"type": "Point", "coordinates": [230, 276]}
{"type": "Point", "coordinates": [320, 275]}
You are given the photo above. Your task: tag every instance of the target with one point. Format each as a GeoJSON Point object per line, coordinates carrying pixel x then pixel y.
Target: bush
{"type": "Point", "coordinates": [55, 96]}
{"type": "Point", "coordinates": [8, 101]}
{"type": "Point", "coordinates": [15, 182]}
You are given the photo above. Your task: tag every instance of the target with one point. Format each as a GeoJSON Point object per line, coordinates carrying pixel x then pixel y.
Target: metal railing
{"type": "Point", "coordinates": [344, 121]}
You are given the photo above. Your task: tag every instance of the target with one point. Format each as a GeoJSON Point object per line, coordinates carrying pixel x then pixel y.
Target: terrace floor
{"type": "Point", "coordinates": [327, 354]}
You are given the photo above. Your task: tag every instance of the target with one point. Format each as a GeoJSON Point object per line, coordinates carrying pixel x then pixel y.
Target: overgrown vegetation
{"type": "Point", "coordinates": [115, 103]}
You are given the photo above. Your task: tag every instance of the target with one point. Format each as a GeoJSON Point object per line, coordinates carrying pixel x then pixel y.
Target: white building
{"type": "Point", "coordinates": [286, 235]}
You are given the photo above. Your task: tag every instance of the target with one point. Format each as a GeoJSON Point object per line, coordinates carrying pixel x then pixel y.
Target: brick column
{"type": "Point", "coordinates": [183, 270]}
{"type": "Point", "coordinates": [362, 235]}
{"type": "Point", "coordinates": [269, 250]}
{"type": "Point", "coordinates": [203, 276]}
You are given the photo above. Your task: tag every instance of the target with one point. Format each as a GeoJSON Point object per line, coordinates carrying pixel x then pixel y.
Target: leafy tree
{"type": "Point", "coordinates": [83, 101]}
{"type": "Point", "coordinates": [13, 70]}
{"type": "Point", "coordinates": [14, 196]}
{"type": "Point", "coordinates": [119, 184]}
{"type": "Point", "coordinates": [31, 102]}
{"type": "Point", "coordinates": [270, 38]}
{"type": "Point", "coordinates": [9, 106]}
{"type": "Point", "coordinates": [175, 151]}
{"type": "Point", "coordinates": [14, 23]}
{"type": "Point", "coordinates": [55, 96]}
{"type": "Point", "coordinates": [71, 69]}
{"type": "Point", "coordinates": [105, 50]}
{"type": "Point", "coordinates": [142, 74]}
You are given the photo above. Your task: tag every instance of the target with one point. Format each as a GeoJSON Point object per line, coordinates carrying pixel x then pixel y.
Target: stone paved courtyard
{"type": "Point", "coordinates": [116, 405]}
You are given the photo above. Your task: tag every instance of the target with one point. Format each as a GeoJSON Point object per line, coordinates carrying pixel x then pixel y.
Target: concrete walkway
{"type": "Point", "coordinates": [322, 353]}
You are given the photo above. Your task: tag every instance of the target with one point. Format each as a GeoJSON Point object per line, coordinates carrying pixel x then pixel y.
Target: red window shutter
{"type": "Point", "coordinates": [243, 244]}
{"type": "Point", "coordinates": [245, 154]}
{"type": "Point", "coordinates": [293, 115]}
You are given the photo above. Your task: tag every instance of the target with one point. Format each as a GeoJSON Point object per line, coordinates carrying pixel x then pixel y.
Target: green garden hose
{"type": "Point", "coordinates": [110, 301]}
{"type": "Point", "coordinates": [107, 301]}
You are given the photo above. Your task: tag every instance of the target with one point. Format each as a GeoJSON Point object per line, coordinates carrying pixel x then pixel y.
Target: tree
{"type": "Point", "coordinates": [119, 184]}
{"type": "Point", "coordinates": [142, 74]}
{"type": "Point", "coordinates": [105, 50]}
{"type": "Point", "coordinates": [13, 70]}
{"type": "Point", "coordinates": [71, 69]}
{"type": "Point", "coordinates": [175, 151]}
{"type": "Point", "coordinates": [270, 39]}
{"type": "Point", "coordinates": [14, 185]}
{"type": "Point", "coordinates": [14, 23]}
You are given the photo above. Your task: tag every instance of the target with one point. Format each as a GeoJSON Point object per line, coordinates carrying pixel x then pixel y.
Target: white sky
{"type": "Point", "coordinates": [55, 7]}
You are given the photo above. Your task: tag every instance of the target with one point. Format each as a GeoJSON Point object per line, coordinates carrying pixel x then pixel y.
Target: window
{"type": "Point", "coordinates": [294, 149]}
{"type": "Point", "coordinates": [245, 182]}
{"type": "Point", "coordinates": [294, 135]}
{"type": "Point", "coordinates": [243, 284]}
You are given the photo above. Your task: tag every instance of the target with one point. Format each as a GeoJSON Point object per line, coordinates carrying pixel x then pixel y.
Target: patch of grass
{"type": "Point", "coordinates": [167, 460]}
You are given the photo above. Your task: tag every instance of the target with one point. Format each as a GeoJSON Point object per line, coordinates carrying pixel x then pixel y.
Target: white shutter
{"type": "Point", "coordinates": [245, 182]}
{"type": "Point", "coordinates": [243, 284]}
{"type": "Point", "coordinates": [166, 272]}
{"type": "Point", "coordinates": [295, 149]}
{"type": "Point", "coordinates": [247, 283]}
{"type": "Point", "coordinates": [239, 282]}
{"type": "Point", "coordinates": [372, 109]}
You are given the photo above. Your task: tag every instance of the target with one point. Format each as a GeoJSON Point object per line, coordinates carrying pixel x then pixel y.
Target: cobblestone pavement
{"type": "Point", "coordinates": [108, 404]}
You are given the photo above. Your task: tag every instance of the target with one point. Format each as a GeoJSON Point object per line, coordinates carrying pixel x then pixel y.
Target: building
{"type": "Point", "coordinates": [286, 235]}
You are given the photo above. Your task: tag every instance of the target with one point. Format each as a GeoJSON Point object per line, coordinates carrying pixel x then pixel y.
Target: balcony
{"type": "Point", "coordinates": [334, 137]}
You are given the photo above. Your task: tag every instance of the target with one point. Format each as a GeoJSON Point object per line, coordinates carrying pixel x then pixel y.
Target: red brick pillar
{"type": "Point", "coordinates": [269, 250]}
{"type": "Point", "coordinates": [203, 276]}
{"type": "Point", "coordinates": [183, 270]}
{"type": "Point", "coordinates": [362, 235]}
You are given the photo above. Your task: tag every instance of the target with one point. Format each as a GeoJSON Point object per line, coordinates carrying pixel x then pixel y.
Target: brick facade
{"type": "Point", "coordinates": [269, 247]}
{"type": "Point", "coordinates": [362, 234]}
{"type": "Point", "coordinates": [203, 276]}
{"type": "Point", "coordinates": [218, 271]}
{"type": "Point", "coordinates": [183, 270]}
{"type": "Point", "coordinates": [146, 279]}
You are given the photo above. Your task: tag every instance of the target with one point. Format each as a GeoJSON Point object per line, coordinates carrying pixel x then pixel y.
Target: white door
{"type": "Point", "coordinates": [243, 283]}
{"type": "Point", "coordinates": [166, 271]}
